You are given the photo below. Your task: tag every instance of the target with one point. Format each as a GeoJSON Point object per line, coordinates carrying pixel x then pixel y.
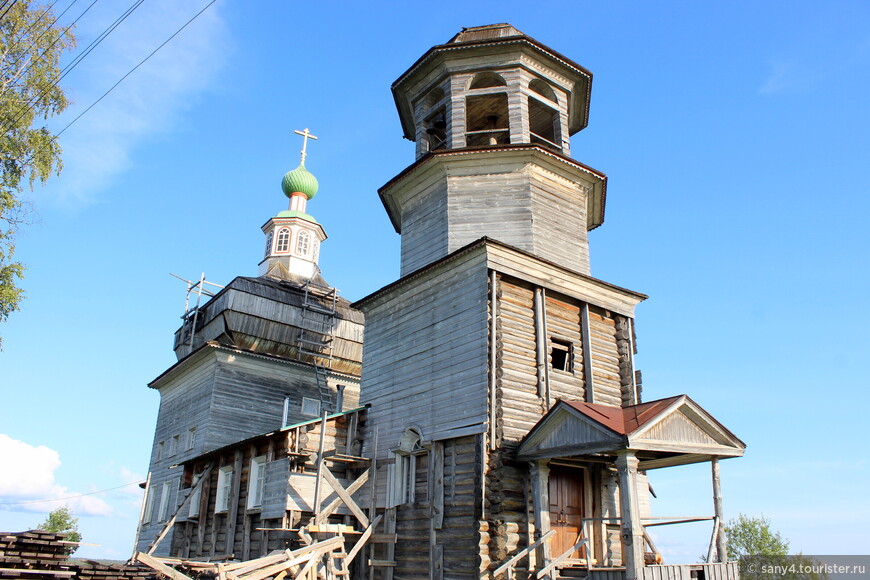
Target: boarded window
{"type": "Point", "coordinates": [310, 407]}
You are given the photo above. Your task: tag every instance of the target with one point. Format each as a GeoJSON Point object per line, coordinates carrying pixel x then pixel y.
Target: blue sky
{"type": "Point", "coordinates": [736, 138]}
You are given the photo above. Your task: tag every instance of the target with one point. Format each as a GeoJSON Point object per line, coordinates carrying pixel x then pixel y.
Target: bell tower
{"type": "Point", "coordinates": [293, 237]}
{"type": "Point", "coordinates": [492, 111]}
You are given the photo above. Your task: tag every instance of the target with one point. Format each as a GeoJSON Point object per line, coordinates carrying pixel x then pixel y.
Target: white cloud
{"type": "Point", "coordinates": [97, 148]}
{"type": "Point", "coordinates": [27, 478]}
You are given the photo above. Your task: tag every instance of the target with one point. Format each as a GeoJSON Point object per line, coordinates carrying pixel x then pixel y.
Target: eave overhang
{"type": "Point", "coordinates": [513, 261]}
{"type": "Point", "coordinates": [662, 433]}
{"type": "Point", "coordinates": [595, 204]}
{"type": "Point", "coordinates": [439, 55]}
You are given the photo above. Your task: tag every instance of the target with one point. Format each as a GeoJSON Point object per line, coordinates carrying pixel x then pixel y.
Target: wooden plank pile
{"type": "Point", "coordinates": [38, 555]}
{"type": "Point", "coordinates": [91, 570]}
{"type": "Point", "coordinates": [35, 555]}
{"type": "Point", "coordinates": [324, 559]}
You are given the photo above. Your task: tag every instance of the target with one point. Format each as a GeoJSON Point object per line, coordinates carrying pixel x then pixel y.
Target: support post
{"type": "Point", "coordinates": [540, 476]}
{"type": "Point", "coordinates": [721, 547]}
{"type": "Point", "coordinates": [632, 531]}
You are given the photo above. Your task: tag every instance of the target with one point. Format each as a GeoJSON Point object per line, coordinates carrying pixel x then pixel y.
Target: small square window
{"type": "Point", "coordinates": [310, 407]}
{"type": "Point", "coordinates": [562, 355]}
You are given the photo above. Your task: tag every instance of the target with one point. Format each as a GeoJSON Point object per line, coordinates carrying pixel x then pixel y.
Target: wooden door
{"type": "Point", "coordinates": [566, 509]}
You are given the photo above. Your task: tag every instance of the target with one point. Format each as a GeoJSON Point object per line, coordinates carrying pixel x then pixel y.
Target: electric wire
{"type": "Point", "coordinates": [26, 68]}
{"type": "Point", "coordinates": [7, 9]}
{"type": "Point", "coordinates": [27, 107]}
{"type": "Point", "coordinates": [143, 61]}
{"type": "Point", "coordinates": [69, 496]}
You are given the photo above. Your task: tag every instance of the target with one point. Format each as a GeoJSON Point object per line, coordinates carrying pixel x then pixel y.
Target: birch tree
{"type": "Point", "coordinates": [31, 44]}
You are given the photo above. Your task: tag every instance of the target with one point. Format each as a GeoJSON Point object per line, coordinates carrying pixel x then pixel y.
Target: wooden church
{"type": "Point", "coordinates": [491, 424]}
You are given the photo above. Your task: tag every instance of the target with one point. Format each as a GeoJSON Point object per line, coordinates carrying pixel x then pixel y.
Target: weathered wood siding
{"type": "Point", "coordinates": [563, 322]}
{"type": "Point", "coordinates": [424, 227]}
{"type": "Point", "coordinates": [559, 223]}
{"type": "Point", "coordinates": [605, 358]}
{"type": "Point", "coordinates": [451, 545]}
{"type": "Point", "coordinates": [267, 316]}
{"type": "Point", "coordinates": [523, 384]}
{"type": "Point", "coordinates": [249, 395]}
{"type": "Point", "coordinates": [518, 393]}
{"type": "Point", "coordinates": [426, 352]}
{"type": "Point", "coordinates": [494, 203]}
{"type": "Point", "coordinates": [184, 403]}
{"type": "Point", "coordinates": [290, 471]}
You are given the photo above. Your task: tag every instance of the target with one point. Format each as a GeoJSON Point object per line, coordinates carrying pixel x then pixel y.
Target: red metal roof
{"type": "Point", "coordinates": [623, 420]}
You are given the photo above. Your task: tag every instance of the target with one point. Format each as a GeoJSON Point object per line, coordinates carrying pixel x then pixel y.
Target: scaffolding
{"type": "Point", "coordinates": [190, 318]}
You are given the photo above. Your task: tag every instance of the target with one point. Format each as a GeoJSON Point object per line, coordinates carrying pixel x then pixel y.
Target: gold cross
{"type": "Point", "coordinates": [306, 135]}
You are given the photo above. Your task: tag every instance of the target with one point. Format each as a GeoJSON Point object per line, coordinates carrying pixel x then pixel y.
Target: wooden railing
{"type": "Point", "coordinates": [508, 567]}
{"type": "Point", "coordinates": [548, 569]}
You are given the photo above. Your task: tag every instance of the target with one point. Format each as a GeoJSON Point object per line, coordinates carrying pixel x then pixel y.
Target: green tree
{"type": "Point", "coordinates": [31, 44]}
{"type": "Point", "coordinates": [62, 521]}
{"type": "Point", "coordinates": [753, 537]}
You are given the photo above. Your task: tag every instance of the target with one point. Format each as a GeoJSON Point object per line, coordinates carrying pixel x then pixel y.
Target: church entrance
{"type": "Point", "coordinates": [566, 509]}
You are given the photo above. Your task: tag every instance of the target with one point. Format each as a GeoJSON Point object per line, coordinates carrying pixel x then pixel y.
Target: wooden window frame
{"type": "Point", "coordinates": [562, 346]}
{"type": "Point", "coordinates": [282, 243]}
{"type": "Point", "coordinates": [303, 243]}
{"type": "Point", "coordinates": [256, 482]}
{"type": "Point", "coordinates": [224, 489]}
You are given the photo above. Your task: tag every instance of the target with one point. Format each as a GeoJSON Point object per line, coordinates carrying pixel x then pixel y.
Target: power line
{"type": "Point", "coordinates": [78, 59]}
{"type": "Point", "coordinates": [60, 36]}
{"type": "Point", "coordinates": [143, 61]}
{"type": "Point", "coordinates": [7, 9]}
{"type": "Point", "coordinates": [69, 496]}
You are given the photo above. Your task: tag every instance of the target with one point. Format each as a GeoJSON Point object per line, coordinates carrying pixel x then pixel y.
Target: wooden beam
{"type": "Point", "coordinates": [351, 489]}
{"type": "Point", "coordinates": [345, 497]}
{"type": "Point", "coordinates": [233, 514]}
{"type": "Point", "coordinates": [437, 485]}
{"type": "Point", "coordinates": [588, 378]}
{"type": "Point", "coordinates": [160, 567]}
{"type": "Point", "coordinates": [493, 355]}
{"type": "Point", "coordinates": [361, 542]}
{"type": "Point", "coordinates": [520, 555]}
{"type": "Point", "coordinates": [171, 522]}
{"type": "Point", "coordinates": [721, 547]}
{"type": "Point", "coordinates": [320, 469]}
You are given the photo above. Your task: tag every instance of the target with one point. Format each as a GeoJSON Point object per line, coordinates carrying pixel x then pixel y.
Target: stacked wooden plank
{"type": "Point", "coordinates": [34, 555]}
{"type": "Point", "coordinates": [91, 570]}
{"type": "Point", "coordinates": [320, 560]}
{"type": "Point", "coordinates": [37, 555]}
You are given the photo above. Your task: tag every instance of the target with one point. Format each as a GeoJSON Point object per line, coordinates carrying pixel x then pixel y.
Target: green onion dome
{"type": "Point", "coordinates": [301, 180]}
